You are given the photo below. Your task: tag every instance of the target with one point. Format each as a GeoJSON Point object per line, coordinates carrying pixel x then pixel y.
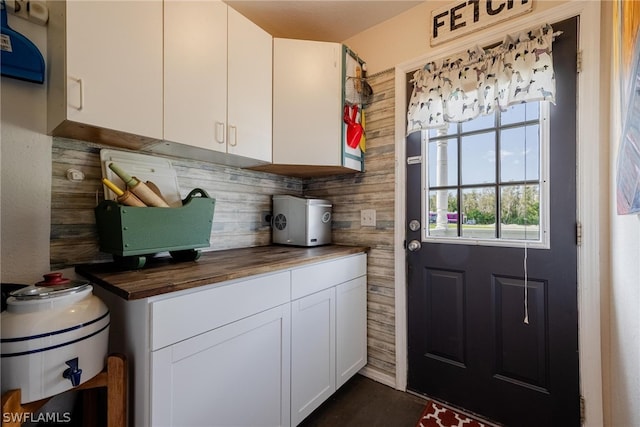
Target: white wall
{"type": "Point", "coordinates": [622, 352]}
{"type": "Point", "coordinates": [25, 182]}
{"type": "Point", "coordinates": [406, 36]}
{"type": "Point", "coordinates": [25, 172]}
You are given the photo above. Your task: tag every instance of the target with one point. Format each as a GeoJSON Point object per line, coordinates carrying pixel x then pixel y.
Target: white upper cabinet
{"type": "Point", "coordinates": [146, 74]}
{"type": "Point", "coordinates": [195, 73]}
{"type": "Point", "coordinates": [250, 71]}
{"type": "Point", "coordinates": [308, 100]}
{"type": "Point", "coordinates": [217, 84]}
{"type": "Point", "coordinates": [307, 87]}
{"type": "Point", "coordinates": [105, 67]}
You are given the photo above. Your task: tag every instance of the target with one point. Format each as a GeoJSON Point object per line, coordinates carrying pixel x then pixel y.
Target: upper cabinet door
{"type": "Point", "coordinates": [250, 88]}
{"type": "Point", "coordinates": [307, 107]}
{"type": "Point", "coordinates": [195, 73]}
{"type": "Point", "coordinates": [113, 64]}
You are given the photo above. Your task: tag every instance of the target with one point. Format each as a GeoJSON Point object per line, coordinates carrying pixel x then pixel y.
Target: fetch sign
{"type": "Point", "coordinates": [472, 15]}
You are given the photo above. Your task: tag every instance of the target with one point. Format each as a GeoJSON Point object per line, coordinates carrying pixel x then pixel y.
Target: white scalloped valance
{"type": "Point", "coordinates": [477, 82]}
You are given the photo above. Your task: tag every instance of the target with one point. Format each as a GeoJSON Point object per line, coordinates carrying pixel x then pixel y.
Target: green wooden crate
{"type": "Point", "coordinates": [132, 233]}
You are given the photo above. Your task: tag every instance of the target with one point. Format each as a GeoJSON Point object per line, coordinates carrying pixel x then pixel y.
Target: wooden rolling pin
{"type": "Point", "coordinates": [125, 197]}
{"type": "Point", "coordinates": [139, 188]}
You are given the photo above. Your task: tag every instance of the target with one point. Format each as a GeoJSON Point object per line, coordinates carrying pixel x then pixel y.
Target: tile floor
{"type": "Point", "coordinates": [364, 402]}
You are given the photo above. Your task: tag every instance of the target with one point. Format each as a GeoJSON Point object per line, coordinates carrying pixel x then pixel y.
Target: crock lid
{"type": "Point", "coordinates": [34, 292]}
{"type": "Point", "coordinates": [51, 279]}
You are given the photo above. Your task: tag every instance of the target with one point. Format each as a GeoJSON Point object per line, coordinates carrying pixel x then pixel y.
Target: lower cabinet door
{"type": "Point", "coordinates": [235, 375]}
{"type": "Point", "coordinates": [313, 355]}
{"type": "Point", "coordinates": [351, 328]}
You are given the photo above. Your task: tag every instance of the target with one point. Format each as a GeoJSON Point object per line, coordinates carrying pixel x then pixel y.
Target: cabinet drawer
{"type": "Point", "coordinates": [316, 277]}
{"type": "Point", "coordinates": [179, 318]}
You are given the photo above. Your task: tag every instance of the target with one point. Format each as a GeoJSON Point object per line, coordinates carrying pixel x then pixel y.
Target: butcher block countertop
{"type": "Point", "coordinates": [165, 275]}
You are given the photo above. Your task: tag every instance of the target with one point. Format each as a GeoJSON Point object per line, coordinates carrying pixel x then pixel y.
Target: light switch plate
{"type": "Point", "coordinates": [368, 217]}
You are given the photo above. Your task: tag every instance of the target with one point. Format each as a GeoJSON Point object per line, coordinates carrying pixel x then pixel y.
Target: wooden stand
{"type": "Point", "coordinates": [114, 378]}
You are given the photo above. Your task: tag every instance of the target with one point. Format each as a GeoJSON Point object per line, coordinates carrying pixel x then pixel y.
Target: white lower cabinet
{"type": "Point", "coordinates": [313, 352]}
{"type": "Point", "coordinates": [328, 330]}
{"type": "Point", "coordinates": [236, 375]}
{"type": "Point", "coordinates": [351, 328]}
{"type": "Point", "coordinates": [265, 350]}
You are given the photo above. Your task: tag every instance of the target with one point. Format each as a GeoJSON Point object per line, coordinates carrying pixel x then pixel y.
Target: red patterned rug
{"type": "Point", "coordinates": [437, 415]}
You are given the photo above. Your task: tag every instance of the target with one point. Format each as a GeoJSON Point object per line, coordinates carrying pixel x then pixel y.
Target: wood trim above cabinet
{"type": "Point", "coordinates": [99, 135]}
{"type": "Point", "coordinates": [304, 171]}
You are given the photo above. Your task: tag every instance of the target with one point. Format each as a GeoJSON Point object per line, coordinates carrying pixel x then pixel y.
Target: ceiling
{"type": "Point", "coordinates": [333, 21]}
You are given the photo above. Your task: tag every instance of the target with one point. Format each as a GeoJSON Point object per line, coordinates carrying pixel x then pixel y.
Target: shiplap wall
{"type": "Point", "coordinates": [374, 189]}
{"type": "Point", "coordinates": [242, 196]}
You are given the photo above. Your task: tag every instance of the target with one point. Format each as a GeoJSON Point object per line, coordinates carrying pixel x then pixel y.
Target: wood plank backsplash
{"type": "Point", "coordinates": [373, 189]}
{"type": "Point", "coordinates": [243, 196]}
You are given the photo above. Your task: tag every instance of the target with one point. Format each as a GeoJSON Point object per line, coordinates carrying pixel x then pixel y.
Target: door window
{"type": "Point", "coordinates": [486, 180]}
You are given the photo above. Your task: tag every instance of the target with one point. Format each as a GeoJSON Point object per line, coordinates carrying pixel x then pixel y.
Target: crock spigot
{"type": "Point", "coordinates": [72, 373]}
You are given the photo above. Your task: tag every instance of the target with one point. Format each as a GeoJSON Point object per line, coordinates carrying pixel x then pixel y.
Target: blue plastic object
{"type": "Point", "coordinates": [73, 373]}
{"type": "Point", "coordinates": [19, 57]}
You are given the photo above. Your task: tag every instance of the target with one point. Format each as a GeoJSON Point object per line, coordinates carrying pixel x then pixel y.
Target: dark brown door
{"type": "Point", "coordinates": [468, 342]}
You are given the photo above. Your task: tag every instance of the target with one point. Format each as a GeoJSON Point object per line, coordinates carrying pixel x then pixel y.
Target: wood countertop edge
{"type": "Point", "coordinates": [108, 277]}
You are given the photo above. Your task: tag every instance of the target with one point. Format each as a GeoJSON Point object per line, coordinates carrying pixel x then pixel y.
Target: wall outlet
{"type": "Point", "coordinates": [368, 217]}
{"type": "Point", "coordinates": [265, 219]}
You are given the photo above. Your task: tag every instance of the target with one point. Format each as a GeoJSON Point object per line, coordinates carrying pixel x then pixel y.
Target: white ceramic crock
{"type": "Point", "coordinates": [53, 339]}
